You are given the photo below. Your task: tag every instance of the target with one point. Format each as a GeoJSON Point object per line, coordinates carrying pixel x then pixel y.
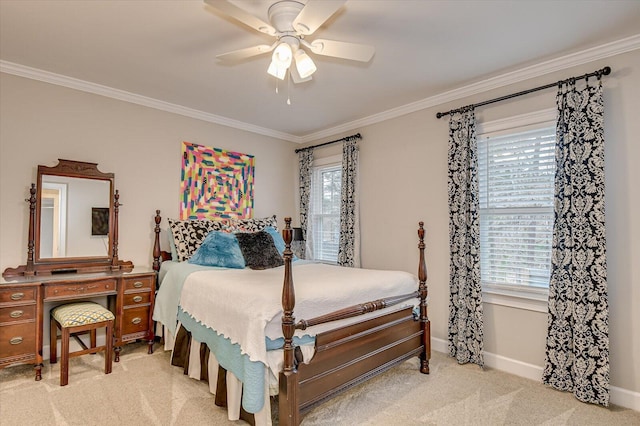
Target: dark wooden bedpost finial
{"type": "Point", "coordinates": [288, 399]}
{"type": "Point", "coordinates": [156, 242]}
{"type": "Point", "coordinates": [422, 266]}
{"type": "Point", "coordinates": [423, 293]}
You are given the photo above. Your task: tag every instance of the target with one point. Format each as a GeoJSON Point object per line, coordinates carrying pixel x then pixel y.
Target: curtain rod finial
{"type": "Point", "coordinates": [606, 70]}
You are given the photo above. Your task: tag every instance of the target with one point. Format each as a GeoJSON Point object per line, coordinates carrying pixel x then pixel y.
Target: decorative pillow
{"type": "Point", "coordinates": [189, 234]}
{"type": "Point", "coordinates": [172, 245]}
{"type": "Point", "coordinates": [259, 250]}
{"type": "Point", "coordinates": [278, 241]}
{"type": "Point", "coordinates": [254, 225]}
{"type": "Point", "coordinates": [219, 249]}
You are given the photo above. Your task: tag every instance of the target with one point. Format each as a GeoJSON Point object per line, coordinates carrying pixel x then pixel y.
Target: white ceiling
{"type": "Point", "coordinates": [165, 51]}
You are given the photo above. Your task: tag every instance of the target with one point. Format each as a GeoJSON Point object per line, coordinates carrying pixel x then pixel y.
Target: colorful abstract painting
{"type": "Point", "coordinates": [215, 183]}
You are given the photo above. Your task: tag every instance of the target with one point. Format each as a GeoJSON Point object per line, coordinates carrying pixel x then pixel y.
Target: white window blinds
{"type": "Point", "coordinates": [516, 184]}
{"type": "Point", "coordinates": [326, 183]}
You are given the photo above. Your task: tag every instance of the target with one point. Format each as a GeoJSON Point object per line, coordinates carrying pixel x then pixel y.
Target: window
{"type": "Point", "coordinates": [324, 209]}
{"type": "Point", "coordinates": [516, 170]}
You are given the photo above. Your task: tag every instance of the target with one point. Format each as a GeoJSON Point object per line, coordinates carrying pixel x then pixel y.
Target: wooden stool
{"type": "Point", "coordinates": [74, 319]}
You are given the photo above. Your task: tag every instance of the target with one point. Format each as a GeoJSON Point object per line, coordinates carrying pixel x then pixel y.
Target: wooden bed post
{"type": "Point", "coordinates": [289, 413]}
{"type": "Point", "coordinates": [156, 242]}
{"type": "Point", "coordinates": [423, 292]}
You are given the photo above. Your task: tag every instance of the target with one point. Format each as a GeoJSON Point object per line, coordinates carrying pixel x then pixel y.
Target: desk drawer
{"type": "Point", "coordinates": [80, 289]}
{"type": "Point", "coordinates": [18, 339]}
{"type": "Point", "coordinates": [135, 320]}
{"type": "Point", "coordinates": [17, 314]}
{"type": "Point", "coordinates": [13, 295]}
{"type": "Point", "coordinates": [133, 299]}
{"type": "Point", "coordinates": [138, 283]}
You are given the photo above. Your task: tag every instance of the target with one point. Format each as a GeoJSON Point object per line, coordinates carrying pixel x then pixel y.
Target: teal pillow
{"type": "Point", "coordinates": [277, 240]}
{"type": "Point", "coordinates": [219, 249]}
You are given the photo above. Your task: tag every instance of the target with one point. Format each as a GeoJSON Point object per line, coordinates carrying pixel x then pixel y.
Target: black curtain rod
{"type": "Point", "coordinates": [603, 71]}
{"type": "Point", "coordinates": [346, 138]}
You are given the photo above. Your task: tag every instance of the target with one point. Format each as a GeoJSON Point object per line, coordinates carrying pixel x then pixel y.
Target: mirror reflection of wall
{"type": "Point", "coordinates": [53, 229]}
{"type": "Point", "coordinates": [68, 233]}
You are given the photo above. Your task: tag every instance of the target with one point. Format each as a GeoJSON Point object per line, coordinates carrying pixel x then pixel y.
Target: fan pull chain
{"type": "Point", "coordinates": [276, 86]}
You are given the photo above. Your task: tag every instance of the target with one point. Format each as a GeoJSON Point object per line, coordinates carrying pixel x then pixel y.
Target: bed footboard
{"type": "Point", "coordinates": [350, 355]}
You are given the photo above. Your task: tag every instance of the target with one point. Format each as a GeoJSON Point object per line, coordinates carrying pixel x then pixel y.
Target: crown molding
{"type": "Point", "coordinates": [110, 92]}
{"type": "Point", "coordinates": [568, 61]}
{"type": "Point", "coordinates": [571, 60]}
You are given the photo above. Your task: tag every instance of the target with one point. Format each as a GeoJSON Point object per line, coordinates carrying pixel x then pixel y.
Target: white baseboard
{"type": "Point", "coordinates": [625, 398]}
{"type": "Point", "coordinates": [619, 396]}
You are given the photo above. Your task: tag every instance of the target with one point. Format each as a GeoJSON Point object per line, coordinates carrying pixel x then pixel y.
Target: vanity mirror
{"type": "Point", "coordinates": [73, 222]}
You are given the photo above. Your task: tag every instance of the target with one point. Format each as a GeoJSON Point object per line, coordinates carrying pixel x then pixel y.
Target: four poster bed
{"type": "Point", "coordinates": [226, 326]}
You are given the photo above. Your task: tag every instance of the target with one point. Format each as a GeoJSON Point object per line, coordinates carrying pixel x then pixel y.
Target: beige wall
{"type": "Point", "coordinates": [403, 172]}
{"type": "Point", "coordinates": [41, 122]}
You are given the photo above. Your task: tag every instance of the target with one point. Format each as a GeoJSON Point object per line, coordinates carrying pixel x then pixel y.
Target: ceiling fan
{"type": "Point", "coordinates": [290, 23]}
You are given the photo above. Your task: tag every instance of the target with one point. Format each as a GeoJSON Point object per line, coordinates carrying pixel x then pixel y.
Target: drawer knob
{"type": "Point", "coordinates": [136, 320]}
{"type": "Point", "coordinates": [17, 296]}
{"type": "Point", "coordinates": [138, 284]}
{"type": "Point", "coordinates": [16, 314]}
{"type": "Point", "coordinates": [137, 299]}
{"type": "Point", "coordinates": [16, 340]}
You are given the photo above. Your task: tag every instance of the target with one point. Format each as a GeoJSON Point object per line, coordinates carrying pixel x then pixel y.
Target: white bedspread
{"type": "Point", "coordinates": [239, 303]}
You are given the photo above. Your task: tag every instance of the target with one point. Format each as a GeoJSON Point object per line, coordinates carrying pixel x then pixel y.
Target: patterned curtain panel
{"type": "Point", "coordinates": [577, 354]}
{"type": "Point", "coordinates": [349, 247]}
{"type": "Point", "coordinates": [305, 159]}
{"type": "Point", "coordinates": [466, 333]}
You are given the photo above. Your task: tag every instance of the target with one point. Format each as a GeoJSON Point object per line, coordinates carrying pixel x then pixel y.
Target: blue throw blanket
{"type": "Point", "coordinates": [229, 355]}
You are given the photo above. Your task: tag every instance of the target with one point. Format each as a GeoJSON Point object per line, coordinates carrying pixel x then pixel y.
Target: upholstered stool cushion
{"type": "Point", "coordinates": [74, 314]}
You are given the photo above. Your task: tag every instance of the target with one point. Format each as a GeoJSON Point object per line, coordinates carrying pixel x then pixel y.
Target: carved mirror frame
{"type": "Point", "coordinates": [37, 265]}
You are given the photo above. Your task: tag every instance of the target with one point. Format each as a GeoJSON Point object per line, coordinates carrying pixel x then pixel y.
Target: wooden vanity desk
{"type": "Point", "coordinates": [72, 254]}
{"type": "Point", "coordinates": [130, 296]}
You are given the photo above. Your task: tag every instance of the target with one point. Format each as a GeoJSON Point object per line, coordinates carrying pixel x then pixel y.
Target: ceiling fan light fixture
{"type": "Point", "coordinates": [277, 70]}
{"type": "Point", "coordinates": [304, 64]}
{"type": "Point", "coordinates": [290, 22]}
{"type": "Point", "coordinates": [282, 55]}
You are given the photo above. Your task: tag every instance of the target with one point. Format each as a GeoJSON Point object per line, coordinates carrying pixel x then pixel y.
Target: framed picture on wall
{"type": "Point", "coordinates": [100, 221]}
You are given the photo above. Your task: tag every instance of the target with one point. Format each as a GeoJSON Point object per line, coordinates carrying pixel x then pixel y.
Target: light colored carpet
{"type": "Point", "coordinates": [145, 389]}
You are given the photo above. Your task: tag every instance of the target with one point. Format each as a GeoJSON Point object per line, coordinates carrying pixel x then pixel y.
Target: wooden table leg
{"type": "Point", "coordinates": [38, 369]}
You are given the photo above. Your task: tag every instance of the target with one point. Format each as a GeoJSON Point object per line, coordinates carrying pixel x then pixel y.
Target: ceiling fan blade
{"type": "Point", "coordinates": [295, 76]}
{"type": "Point", "coordinates": [341, 49]}
{"type": "Point", "coordinates": [314, 14]}
{"type": "Point", "coordinates": [241, 15]}
{"type": "Point", "coordinates": [238, 55]}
